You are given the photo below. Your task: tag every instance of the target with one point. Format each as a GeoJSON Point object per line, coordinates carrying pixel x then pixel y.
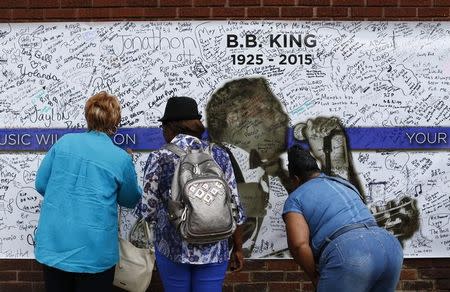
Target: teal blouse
{"type": "Point", "coordinates": [82, 178]}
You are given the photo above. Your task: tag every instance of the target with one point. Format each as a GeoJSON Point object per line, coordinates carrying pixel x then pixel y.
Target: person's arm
{"type": "Point", "coordinates": [230, 178]}
{"type": "Point", "coordinates": [129, 192]}
{"type": "Point", "coordinates": [44, 171]}
{"type": "Point", "coordinates": [149, 201]}
{"type": "Point", "coordinates": [237, 255]}
{"type": "Point", "coordinates": [297, 230]}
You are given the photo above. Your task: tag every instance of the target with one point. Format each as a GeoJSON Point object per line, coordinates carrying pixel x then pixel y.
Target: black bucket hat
{"type": "Point", "coordinates": [180, 108]}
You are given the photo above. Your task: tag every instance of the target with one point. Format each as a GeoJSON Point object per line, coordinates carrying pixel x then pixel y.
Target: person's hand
{"type": "Point", "coordinates": [236, 260]}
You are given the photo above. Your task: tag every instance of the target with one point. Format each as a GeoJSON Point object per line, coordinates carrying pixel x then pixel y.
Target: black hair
{"type": "Point", "coordinates": [301, 162]}
{"type": "Point", "coordinates": [188, 127]}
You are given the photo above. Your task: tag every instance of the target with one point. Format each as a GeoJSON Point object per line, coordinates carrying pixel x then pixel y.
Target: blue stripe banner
{"type": "Point", "coordinates": [141, 139]}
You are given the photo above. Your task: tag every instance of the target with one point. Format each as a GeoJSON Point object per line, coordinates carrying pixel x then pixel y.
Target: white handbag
{"type": "Point", "coordinates": [135, 267]}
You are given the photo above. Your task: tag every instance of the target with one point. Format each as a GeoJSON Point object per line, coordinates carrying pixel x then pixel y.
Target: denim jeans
{"type": "Point", "coordinates": [363, 259]}
{"type": "Point", "coordinates": [177, 277]}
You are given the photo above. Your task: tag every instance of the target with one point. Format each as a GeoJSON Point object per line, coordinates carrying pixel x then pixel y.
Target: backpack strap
{"type": "Point", "coordinates": [180, 153]}
{"type": "Point", "coordinates": [236, 168]}
{"type": "Point", "coordinates": [174, 149]}
{"type": "Point", "coordinates": [344, 182]}
{"type": "Point", "coordinates": [237, 174]}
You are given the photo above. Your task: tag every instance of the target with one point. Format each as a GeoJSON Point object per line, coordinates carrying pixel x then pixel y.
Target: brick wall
{"type": "Point", "coordinates": [85, 10]}
{"type": "Point", "coordinates": [258, 275]}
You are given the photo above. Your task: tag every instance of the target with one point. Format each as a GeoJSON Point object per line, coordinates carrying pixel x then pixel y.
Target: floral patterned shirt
{"type": "Point", "coordinates": [158, 174]}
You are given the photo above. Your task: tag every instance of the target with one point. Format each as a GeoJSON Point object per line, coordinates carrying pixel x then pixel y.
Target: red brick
{"type": "Point", "coordinates": [278, 2]}
{"type": "Point", "coordinates": [417, 285]}
{"type": "Point", "coordinates": [168, 12]}
{"type": "Point", "coordinates": [192, 12]}
{"type": "Point", "coordinates": [314, 2]}
{"type": "Point", "coordinates": [348, 2]}
{"type": "Point", "coordinates": [210, 3]}
{"type": "Point", "coordinates": [237, 277]}
{"type": "Point", "coordinates": [76, 3]}
{"type": "Point", "coordinates": [307, 286]}
{"type": "Point", "coordinates": [8, 276]}
{"type": "Point", "coordinates": [93, 13]}
{"type": "Point", "coordinates": [443, 285]}
{"type": "Point", "coordinates": [408, 274]}
{"type": "Point", "coordinates": [228, 12]}
{"type": "Point", "coordinates": [262, 12]}
{"type": "Point", "coordinates": [415, 3]}
{"type": "Point", "coordinates": [367, 12]}
{"type": "Point", "coordinates": [30, 276]}
{"type": "Point", "coordinates": [264, 276]}
{"type": "Point", "coordinates": [26, 14]}
{"type": "Point", "coordinates": [107, 3]}
{"type": "Point", "coordinates": [126, 12]}
{"type": "Point", "coordinates": [297, 11]}
{"type": "Point", "coordinates": [16, 287]}
{"type": "Point", "coordinates": [332, 11]}
{"type": "Point", "coordinates": [251, 287]}
{"type": "Point", "coordinates": [43, 3]}
{"type": "Point", "coordinates": [400, 12]}
{"type": "Point", "coordinates": [244, 2]}
{"type": "Point", "coordinates": [175, 3]}
{"type": "Point", "coordinates": [416, 263]}
{"type": "Point", "coordinates": [433, 12]}
{"type": "Point", "coordinates": [5, 14]}
{"type": "Point", "coordinates": [14, 3]}
{"type": "Point", "coordinates": [38, 287]}
{"type": "Point", "coordinates": [441, 2]}
{"type": "Point", "coordinates": [440, 263]}
{"type": "Point", "coordinates": [296, 276]}
{"type": "Point", "coordinates": [226, 288]}
{"type": "Point", "coordinates": [382, 3]}
{"type": "Point", "coordinates": [142, 3]}
{"type": "Point", "coordinates": [435, 273]}
{"type": "Point", "coordinates": [282, 265]}
{"type": "Point", "coordinates": [36, 266]}
{"type": "Point", "coordinates": [255, 265]}
{"type": "Point", "coordinates": [64, 13]}
{"type": "Point", "coordinates": [284, 287]}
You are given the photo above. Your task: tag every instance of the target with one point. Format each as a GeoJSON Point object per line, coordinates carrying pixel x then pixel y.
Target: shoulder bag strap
{"type": "Point", "coordinates": [140, 222]}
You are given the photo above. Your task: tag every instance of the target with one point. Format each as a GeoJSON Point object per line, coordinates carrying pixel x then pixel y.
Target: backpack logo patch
{"type": "Point", "coordinates": [206, 192]}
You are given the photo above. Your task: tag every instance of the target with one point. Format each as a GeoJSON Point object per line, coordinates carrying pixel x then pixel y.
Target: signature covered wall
{"type": "Point", "coordinates": [384, 85]}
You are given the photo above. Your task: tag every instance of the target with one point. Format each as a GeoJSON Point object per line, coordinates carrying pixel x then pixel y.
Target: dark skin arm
{"type": "Point", "coordinates": [237, 255]}
{"type": "Point", "coordinates": [297, 230]}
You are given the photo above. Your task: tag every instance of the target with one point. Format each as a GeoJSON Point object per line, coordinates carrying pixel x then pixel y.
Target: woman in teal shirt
{"type": "Point", "coordinates": [82, 179]}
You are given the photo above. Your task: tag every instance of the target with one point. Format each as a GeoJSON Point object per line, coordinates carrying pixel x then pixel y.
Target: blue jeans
{"type": "Point", "coordinates": [178, 277]}
{"type": "Point", "coordinates": [363, 259]}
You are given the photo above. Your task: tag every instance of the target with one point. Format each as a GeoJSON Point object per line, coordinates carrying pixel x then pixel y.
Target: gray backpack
{"type": "Point", "coordinates": [201, 206]}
